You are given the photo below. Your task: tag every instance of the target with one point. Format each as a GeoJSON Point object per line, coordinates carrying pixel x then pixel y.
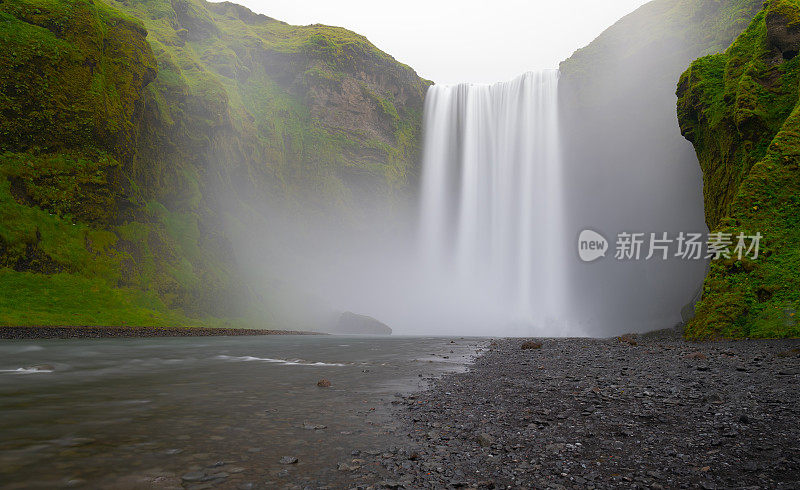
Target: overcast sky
{"type": "Point", "coordinates": [451, 41]}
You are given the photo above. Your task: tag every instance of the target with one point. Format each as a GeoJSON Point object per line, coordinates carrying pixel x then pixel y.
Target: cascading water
{"type": "Point", "coordinates": [491, 206]}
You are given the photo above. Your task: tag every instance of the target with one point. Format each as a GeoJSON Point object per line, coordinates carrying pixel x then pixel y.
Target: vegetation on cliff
{"type": "Point", "coordinates": [129, 127]}
{"type": "Point", "coordinates": [740, 110]}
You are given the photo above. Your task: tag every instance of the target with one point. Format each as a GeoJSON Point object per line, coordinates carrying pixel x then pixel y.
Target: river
{"type": "Point", "coordinates": [166, 412]}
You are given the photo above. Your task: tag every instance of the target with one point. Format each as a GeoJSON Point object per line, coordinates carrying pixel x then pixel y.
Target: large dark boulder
{"type": "Point", "coordinates": [352, 323]}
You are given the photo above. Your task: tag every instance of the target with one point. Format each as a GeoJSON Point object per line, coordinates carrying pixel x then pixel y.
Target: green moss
{"type": "Point", "coordinates": [740, 110]}
{"type": "Point", "coordinates": [67, 184]}
{"type": "Point", "coordinates": [69, 75]}
{"type": "Point", "coordinates": [36, 299]}
{"type": "Point", "coordinates": [31, 299]}
{"type": "Point", "coordinates": [123, 123]}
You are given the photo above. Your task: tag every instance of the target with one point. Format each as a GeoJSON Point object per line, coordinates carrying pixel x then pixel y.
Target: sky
{"type": "Point", "coordinates": [453, 41]}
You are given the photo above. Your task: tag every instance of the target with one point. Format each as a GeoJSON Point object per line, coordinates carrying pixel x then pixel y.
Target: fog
{"type": "Point", "coordinates": [309, 269]}
{"type": "Point", "coordinates": [624, 167]}
{"type": "Point", "coordinates": [620, 173]}
{"type": "Point", "coordinates": [629, 170]}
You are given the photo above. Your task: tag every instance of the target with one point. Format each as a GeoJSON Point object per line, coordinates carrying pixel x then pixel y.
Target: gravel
{"type": "Point", "coordinates": [585, 413]}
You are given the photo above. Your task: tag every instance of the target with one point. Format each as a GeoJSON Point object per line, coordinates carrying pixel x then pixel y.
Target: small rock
{"type": "Point", "coordinates": [347, 467]}
{"type": "Point", "coordinates": [324, 383]}
{"type": "Point", "coordinates": [484, 440]}
{"type": "Point", "coordinates": [529, 344]}
{"type": "Point", "coordinates": [288, 460]}
{"type": "Point", "coordinates": [193, 476]}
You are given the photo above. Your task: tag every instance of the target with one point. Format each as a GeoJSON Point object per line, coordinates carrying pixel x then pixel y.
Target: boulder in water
{"type": "Point", "coordinates": [352, 323]}
{"type": "Point", "coordinates": [42, 367]}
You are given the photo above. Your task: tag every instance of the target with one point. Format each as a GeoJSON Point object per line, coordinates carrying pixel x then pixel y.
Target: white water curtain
{"type": "Point", "coordinates": [491, 195]}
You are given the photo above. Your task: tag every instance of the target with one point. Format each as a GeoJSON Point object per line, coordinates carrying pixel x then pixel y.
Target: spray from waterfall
{"type": "Point", "coordinates": [491, 210]}
{"type": "Point", "coordinates": [485, 255]}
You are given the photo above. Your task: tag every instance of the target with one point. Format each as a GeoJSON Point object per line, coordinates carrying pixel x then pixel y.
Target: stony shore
{"type": "Point", "coordinates": [584, 413]}
{"type": "Point", "coordinates": [91, 332]}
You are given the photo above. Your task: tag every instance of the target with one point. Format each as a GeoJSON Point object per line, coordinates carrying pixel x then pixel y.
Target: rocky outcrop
{"type": "Point", "coordinates": [740, 111]}
{"type": "Point", "coordinates": [783, 30]}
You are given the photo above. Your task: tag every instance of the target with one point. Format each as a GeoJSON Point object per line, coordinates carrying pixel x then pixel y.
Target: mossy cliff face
{"type": "Point", "coordinates": [126, 125]}
{"type": "Point", "coordinates": [740, 111]}
{"type": "Point", "coordinates": [313, 114]}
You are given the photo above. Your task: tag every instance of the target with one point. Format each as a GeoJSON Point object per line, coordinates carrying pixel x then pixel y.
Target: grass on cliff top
{"type": "Point", "coordinates": [56, 9]}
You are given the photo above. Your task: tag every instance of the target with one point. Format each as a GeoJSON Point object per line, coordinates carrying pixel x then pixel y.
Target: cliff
{"type": "Point", "coordinates": [134, 133]}
{"type": "Point", "coordinates": [740, 111]}
{"type": "Point", "coordinates": [653, 43]}
{"type": "Point", "coordinates": [628, 168]}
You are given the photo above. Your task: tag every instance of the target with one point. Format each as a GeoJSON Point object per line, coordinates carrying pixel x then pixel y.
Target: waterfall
{"type": "Point", "coordinates": [491, 209]}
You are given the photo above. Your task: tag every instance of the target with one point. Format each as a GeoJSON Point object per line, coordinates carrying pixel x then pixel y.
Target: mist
{"type": "Point", "coordinates": [309, 269]}
{"type": "Point", "coordinates": [620, 170]}
{"type": "Point", "coordinates": [630, 170]}
{"type": "Point", "coordinates": [622, 167]}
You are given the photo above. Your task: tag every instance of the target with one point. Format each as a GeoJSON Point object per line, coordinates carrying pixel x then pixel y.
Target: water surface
{"type": "Point", "coordinates": [133, 413]}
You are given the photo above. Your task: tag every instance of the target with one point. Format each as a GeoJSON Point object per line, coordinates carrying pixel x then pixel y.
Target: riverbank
{"type": "Point", "coordinates": [91, 332]}
{"type": "Point", "coordinates": [586, 413]}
